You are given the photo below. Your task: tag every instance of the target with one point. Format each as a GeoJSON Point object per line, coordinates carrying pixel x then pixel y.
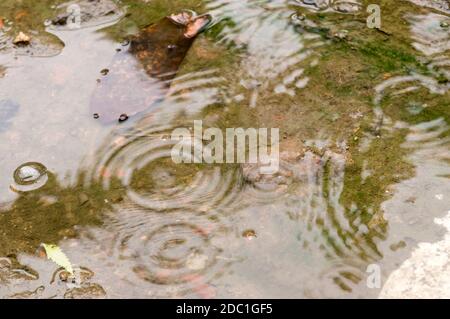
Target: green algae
{"type": "Point", "coordinates": [52, 213]}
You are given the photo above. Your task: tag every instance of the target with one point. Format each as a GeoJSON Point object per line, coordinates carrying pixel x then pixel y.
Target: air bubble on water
{"type": "Point", "coordinates": [29, 176]}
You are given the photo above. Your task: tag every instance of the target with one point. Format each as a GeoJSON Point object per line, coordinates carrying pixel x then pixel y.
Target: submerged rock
{"type": "Point", "coordinates": [196, 261]}
{"type": "Point", "coordinates": [147, 67]}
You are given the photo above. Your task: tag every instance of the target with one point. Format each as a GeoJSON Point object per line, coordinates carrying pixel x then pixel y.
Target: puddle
{"type": "Point", "coordinates": [363, 171]}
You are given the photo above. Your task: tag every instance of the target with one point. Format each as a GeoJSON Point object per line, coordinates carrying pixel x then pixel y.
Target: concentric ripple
{"type": "Point", "coordinates": [428, 33]}
{"type": "Point", "coordinates": [179, 254]}
{"type": "Point", "coordinates": [407, 83]}
{"type": "Point", "coordinates": [431, 37]}
{"type": "Point", "coordinates": [442, 5]}
{"type": "Point", "coordinates": [171, 253]}
{"type": "Point", "coordinates": [267, 188]}
{"type": "Point", "coordinates": [141, 161]}
{"type": "Point", "coordinates": [29, 176]}
{"type": "Point", "coordinates": [346, 274]}
{"type": "Point", "coordinates": [342, 6]}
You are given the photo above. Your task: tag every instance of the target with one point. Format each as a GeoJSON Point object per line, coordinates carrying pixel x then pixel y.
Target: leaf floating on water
{"type": "Point", "coordinates": [55, 254]}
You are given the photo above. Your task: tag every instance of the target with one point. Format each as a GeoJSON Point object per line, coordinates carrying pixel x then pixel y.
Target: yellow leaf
{"type": "Point", "coordinates": [55, 254]}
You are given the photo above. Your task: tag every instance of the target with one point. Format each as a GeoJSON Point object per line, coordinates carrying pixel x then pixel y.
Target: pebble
{"type": "Point", "coordinates": [22, 39]}
{"type": "Point", "coordinates": [249, 234]}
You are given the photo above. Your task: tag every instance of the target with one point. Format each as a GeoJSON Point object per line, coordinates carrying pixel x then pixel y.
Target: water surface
{"type": "Point", "coordinates": [364, 153]}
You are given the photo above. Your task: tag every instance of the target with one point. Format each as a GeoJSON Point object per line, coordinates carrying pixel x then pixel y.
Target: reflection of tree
{"type": "Point", "coordinates": [50, 214]}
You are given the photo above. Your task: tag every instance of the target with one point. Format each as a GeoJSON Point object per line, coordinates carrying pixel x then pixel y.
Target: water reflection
{"type": "Point", "coordinates": [146, 227]}
{"type": "Point", "coordinates": [435, 4]}
{"type": "Point", "coordinates": [274, 50]}
{"type": "Point", "coordinates": [141, 160]}
{"type": "Point", "coordinates": [179, 254]}
{"type": "Point", "coordinates": [428, 145]}
{"type": "Point", "coordinates": [8, 109]}
{"type": "Point", "coordinates": [431, 37]}
{"type": "Point", "coordinates": [342, 6]}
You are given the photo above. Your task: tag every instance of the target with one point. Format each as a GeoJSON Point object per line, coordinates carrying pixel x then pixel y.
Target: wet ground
{"type": "Point", "coordinates": [364, 174]}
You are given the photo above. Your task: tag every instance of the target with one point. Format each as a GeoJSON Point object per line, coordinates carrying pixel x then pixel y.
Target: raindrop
{"type": "Point", "coordinates": [298, 17]}
{"type": "Point", "coordinates": [196, 261]}
{"type": "Point", "coordinates": [123, 118]}
{"type": "Point", "coordinates": [172, 256]}
{"type": "Point", "coordinates": [29, 176]}
{"type": "Point", "coordinates": [144, 165]}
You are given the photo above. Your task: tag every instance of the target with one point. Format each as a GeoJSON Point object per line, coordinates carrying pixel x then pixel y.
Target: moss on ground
{"type": "Point", "coordinates": [52, 212]}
